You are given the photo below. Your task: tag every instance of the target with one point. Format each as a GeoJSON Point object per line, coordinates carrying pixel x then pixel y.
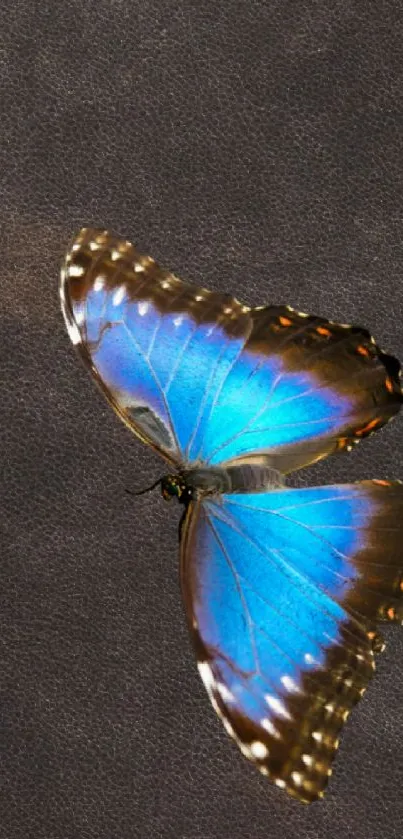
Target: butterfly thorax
{"type": "Point", "coordinates": [202, 481]}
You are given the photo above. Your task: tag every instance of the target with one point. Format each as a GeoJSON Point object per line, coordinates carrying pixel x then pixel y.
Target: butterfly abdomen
{"type": "Point", "coordinates": [243, 477]}
{"type": "Point", "coordinates": [253, 477]}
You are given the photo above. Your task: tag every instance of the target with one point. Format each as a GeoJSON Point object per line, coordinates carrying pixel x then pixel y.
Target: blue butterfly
{"type": "Point", "coordinates": [283, 587]}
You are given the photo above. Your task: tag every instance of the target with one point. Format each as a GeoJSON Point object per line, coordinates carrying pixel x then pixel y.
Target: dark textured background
{"type": "Point", "coordinates": [253, 146]}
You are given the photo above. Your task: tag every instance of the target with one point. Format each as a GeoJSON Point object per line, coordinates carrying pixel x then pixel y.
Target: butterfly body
{"type": "Point", "coordinates": [282, 587]}
{"type": "Point", "coordinates": [201, 482]}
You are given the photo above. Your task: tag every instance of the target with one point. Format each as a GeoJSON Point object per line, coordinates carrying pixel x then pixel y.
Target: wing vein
{"type": "Point", "coordinates": [296, 574]}
{"type": "Point", "coordinates": [239, 589]}
{"type": "Point", "coordinates": [158, 383]}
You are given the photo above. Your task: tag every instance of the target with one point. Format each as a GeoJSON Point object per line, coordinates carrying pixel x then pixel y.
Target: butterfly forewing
{"type": "Point", "coordinates": [203, 378]}
{"type": "Point", "coordinates": [331, 387]}
{"type": "Point", "coordinates": [158, 347]}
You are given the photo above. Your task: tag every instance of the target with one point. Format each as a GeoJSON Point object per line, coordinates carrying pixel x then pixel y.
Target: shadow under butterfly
{"type": "Point", "coordinates": [283, 588]}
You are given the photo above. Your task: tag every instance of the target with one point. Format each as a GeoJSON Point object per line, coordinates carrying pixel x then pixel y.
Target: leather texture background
{"type": "Point", "coordinates": [254, 146]}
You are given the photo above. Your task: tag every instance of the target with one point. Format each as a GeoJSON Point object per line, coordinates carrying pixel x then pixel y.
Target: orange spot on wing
{"type": "Point", "coordinates": [285, 321]}
{"type": "Point", "coordinates": [362, 350]}
{"type": "Point", "coordinates": [381, 483]}
{"type": "Point", "coordinates": [321, 330]}
{"type": "Point", "coordinates": [389, 385]}
{"type": "Point", "coordinates": [391, 613]}
{"type": "Point", "coordinates": [368, 427]}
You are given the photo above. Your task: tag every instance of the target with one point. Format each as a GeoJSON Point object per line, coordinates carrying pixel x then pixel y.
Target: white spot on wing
{"type": "Point", "coordinates": [139, 268]}
{"type": "Point", "coordinates": [277, 706]}
{"type": "Point", "coordinates": [178, 320]}
{"type": "Point", "coordinates": [207, 676]}
{"type": "Point", "coordinates": [308, 760]}
{"type": "Point", "coordinates": [115, 255]}
{"type": "Point", "coordinates": [75, 270]}
{"type": "Point", "coordinates": [309, 659]}
{"type": "Point", "coordinates": [225, 694]}
{"type": "Point", "coordinates": [297, 778]}
{"type": "Point", "coordinates": [268, 726]}
{"type": "Point", "coordinates": [99, 283]}
{"type": "Point", "coordinates": [279, 783]}
{"type": "Point", "coordinates": [118, 295]}
{"type": "Point", "coordinates": [142, 308]}
{"type": "Point", "coordinates": [290, 684]}
{"type": "Point", "coordinates": [259, 750]}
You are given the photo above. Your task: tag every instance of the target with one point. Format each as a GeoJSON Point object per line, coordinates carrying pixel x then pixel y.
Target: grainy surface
{"type": "Point", "coordinates": [253, 147]}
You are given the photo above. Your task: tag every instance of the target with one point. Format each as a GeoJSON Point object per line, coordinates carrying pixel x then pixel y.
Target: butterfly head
{"type": "Point", "coordinates": [174, 486]}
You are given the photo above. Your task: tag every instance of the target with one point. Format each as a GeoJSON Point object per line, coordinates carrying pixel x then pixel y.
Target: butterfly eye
{"type": "Point", "coordinates": [167, 494]}
{"type": "Point", "coordinates": [171, 487]}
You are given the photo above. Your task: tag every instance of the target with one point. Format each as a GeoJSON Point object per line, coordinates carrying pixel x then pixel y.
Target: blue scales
{"type": "Point", "coordinates": [283, 588]}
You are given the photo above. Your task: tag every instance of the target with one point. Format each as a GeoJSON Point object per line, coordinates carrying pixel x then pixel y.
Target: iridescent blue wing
{"type": "Point", "coordinates": [158, 348]}
{"type": "Point", "coordinates": [202, 378]}
{"type": "Point", "coordinates": [283, 590]}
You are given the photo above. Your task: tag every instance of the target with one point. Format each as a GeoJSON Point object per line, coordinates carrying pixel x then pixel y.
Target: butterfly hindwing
{"type": "Point", "coordinates": [283, 590]}
{"type": "Point", "coordinates": [203, 378]}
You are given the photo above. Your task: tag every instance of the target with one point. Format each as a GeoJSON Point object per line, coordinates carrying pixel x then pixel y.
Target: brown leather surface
{"type": "Point", "coordinates": [255, 148]}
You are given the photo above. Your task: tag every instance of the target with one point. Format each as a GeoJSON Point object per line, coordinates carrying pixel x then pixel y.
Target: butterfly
{"type": "Point", "coordinates": [283, 587]}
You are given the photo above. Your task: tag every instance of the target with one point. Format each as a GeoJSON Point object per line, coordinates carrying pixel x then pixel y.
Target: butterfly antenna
{"type": "Point", "coordinates": [143, 491]}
